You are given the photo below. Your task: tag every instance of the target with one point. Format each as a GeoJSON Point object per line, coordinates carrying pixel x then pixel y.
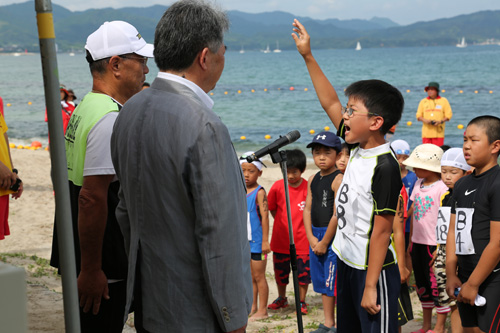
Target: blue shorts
{"type": "Point", "coordinates": [323, 268]}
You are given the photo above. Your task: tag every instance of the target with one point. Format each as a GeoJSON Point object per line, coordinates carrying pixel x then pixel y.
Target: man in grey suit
{"type": "Point", "coordinates": [182, 203]}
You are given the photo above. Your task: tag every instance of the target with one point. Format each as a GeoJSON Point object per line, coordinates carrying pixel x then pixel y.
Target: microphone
{"type": "Point", "coordinates": [271, 148]}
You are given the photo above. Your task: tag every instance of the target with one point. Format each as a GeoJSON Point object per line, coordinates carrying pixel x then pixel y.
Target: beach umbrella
{"type": "Point", "coordinates": [46, 35]}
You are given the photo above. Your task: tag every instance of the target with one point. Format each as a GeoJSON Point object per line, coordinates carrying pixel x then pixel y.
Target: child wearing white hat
{"type": "Point", "coordinates": [427, 192]}
{"type": "Point", "coordinates": [453, 167]}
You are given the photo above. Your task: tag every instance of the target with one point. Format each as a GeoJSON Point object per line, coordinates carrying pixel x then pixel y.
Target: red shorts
{"type": "Point", "coordinates": [437, 141]}
{"type": "Point", "coordinates": [4, 216]}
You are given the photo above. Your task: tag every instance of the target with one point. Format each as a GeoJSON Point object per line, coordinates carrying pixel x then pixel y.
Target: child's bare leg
{"type": "Point", "coordinates": [329, 310]}
{"type": "Point", "coordinates": [427, 317]}
{"type": "Point", "coordinates": [259, 276]}
{"type": "Point", "coordinates": [440, 323]}
{"type": "Point", "coordinates": [281, 290]}
{"type": "Point", "coordinates": [254, 289]}
{"type": "Point", "coordinates": [303, 292]}
{"type": "Point", "coordinates": [456, 322]}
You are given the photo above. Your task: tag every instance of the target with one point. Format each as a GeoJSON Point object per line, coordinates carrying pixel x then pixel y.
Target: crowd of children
{"type": "Point", "coordinates": [364, 221]}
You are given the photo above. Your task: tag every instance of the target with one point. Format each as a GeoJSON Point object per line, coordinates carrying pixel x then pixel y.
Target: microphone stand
{"type": "Point", "coordinates": [280, 157]}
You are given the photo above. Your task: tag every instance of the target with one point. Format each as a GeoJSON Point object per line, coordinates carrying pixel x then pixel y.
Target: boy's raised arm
{"type": "Point", "coordinates": [324, 89]}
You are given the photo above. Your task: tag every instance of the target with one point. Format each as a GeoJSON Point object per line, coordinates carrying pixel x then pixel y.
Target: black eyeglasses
{"type": "Point", "coordinates": [143, 60]}
{"type": "Point", "coordinates": [351, 111]}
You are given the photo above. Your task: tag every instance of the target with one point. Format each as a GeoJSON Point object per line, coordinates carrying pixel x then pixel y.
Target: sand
{"type": "Point", "coordinates": [31, 223]}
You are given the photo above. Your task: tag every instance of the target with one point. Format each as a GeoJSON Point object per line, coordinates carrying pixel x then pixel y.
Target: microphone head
{"type": "Point", "coordinates": [293, 136]}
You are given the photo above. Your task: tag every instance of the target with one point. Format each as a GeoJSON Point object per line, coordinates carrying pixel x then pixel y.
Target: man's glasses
{"type": "Point", "coordinates": [143, 60]}
{"type": "Point", "coordinates": [350, 112]}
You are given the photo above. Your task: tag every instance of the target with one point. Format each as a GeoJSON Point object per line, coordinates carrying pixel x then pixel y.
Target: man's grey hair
{"type": "Point", "coordinates": [186, 28]}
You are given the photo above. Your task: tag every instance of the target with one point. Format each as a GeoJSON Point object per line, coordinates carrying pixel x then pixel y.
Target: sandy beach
{"type": "Point", "coordinates": [31, 223]}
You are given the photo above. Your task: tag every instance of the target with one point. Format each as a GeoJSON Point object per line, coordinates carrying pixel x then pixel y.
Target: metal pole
{"type": "Point", "coordinates": [293, 252]}
{"type": "Point", "coordinates": [48, 55]}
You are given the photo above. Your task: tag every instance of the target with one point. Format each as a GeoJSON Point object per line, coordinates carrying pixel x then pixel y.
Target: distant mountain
{"type": "Point", "coordinates": [18, 29]}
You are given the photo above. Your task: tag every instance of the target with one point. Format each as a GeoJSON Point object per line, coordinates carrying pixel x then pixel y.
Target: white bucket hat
{"type": "Point", "coordinates": [117, 38]}
{"type": "Point", "coordinates": [454, 157]}
{"type": "Point", "coordinates": [426, 156]}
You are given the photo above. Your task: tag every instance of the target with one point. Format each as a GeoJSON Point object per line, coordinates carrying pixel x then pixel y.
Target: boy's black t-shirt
{"type": "Point", "coordinates": [482, 194]}
{"type": "Point", "coordinates": [323, 199]}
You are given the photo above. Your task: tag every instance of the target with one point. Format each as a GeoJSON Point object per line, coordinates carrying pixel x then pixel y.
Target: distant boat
{"type": "Point", "coordinates": [462, 43]}
{"type": "Point", "coordinates": [358, 47]}
{"type": "Point", "coordinates": [242, 50]}
{"type": "Point", "coordinates": [267, 50]}
{"type": "Point", "coordinates": [277, 49]}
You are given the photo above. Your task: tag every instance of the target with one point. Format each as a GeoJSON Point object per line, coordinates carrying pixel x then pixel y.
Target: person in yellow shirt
{"type": "Point", "coordinates": [433, 112]}
{"type": "Point", "coordinates": [9, 181]}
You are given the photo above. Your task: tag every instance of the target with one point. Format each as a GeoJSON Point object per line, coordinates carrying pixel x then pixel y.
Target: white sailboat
{"type": "Point", "coordinates": [267, 50]}
{"type": "Point", "coordinates": [358, 47]}
{"type": "Point", "coordinates": [277, 49]}
{"type": "Point", "coordinates": [242, 50]}
{"type": "Point", "coordinates": [462, 43]}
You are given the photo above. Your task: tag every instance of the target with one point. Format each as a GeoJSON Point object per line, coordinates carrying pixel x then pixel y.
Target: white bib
{"type": "Point", "coordinates": [442, 225]}
{"type": "Point", "coordinates": [463, 231]}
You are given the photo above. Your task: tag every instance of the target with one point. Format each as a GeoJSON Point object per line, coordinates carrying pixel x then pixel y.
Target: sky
{"type": "Point", "coordinates": [400, 11]}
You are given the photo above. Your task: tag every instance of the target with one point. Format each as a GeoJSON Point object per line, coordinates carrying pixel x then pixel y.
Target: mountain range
{"type": "Point", "coordinates": [18, 29]}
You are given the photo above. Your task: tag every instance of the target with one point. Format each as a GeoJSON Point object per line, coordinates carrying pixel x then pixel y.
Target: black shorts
{"type": "Point", "coordinates": [405, 310]}
{"type": "Point", "coordinates": [486, 317]}
{"type": "Point", "coordinates": [350, 289]}
{"type": "Point", "coordinates": [258, 256]}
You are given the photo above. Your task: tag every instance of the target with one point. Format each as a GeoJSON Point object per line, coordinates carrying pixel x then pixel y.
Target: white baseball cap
{"type": "Point", "coordinates": [454, 157]}
{"type": "Point", "coordinates": [117, 38]}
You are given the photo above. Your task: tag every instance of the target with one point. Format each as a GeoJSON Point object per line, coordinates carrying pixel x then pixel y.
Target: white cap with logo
{"type": "Point", "coordinates": [117, 38]}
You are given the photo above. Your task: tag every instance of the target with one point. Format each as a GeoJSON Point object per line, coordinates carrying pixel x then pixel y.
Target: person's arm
{"type": "Point", "coordinates": [487, 262]}
{"type": "Point", "coordinates": [7, 177]}
{"type": "Point", "coordinates": [307, 216]}
{"type": "Point", "coordinates": [322, 245]}
{"type": "Point", "coordinates": [324, 89]}
{"type": "Point", "coordinates": [15, 195]}
{"type": "Point", "coordinates": [452, 280]}
{"type": "Point", "coordinates": [92, 219]}
{"type": "Point", "coordinates": [399, 240]}
{"type": "Point", "coordinates": [379, 241]}
{"type": "Point", "coordinates": [447, 112]}
{"type": "Point", "coordinates": [218, 192]}
{"type": "Point", "coordinates": [264, 214]}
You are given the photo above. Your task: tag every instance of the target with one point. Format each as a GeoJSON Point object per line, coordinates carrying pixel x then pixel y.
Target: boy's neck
{"type": "Point", "coordinates": [250, 188]}
{"type": "Point", "coordinates": [431, 179]}
{"type": "Point", "coordinates": [327, 172]}
{"type": "Point", "coordinates": [297, 184]}
{"type": "Point", "coordinates": [482, 169]}
{"type": "Point", "coordinates": [375, 139]}
{"type": "Point", "coordinates": [404, 172]}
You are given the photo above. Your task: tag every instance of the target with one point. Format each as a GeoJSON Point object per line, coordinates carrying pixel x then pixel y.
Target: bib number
{"type": "Point", "coordinates": [442, 225]}
{"type": "Point", "coordinates": [249, 227]}
{"type": "Point", "coordinates": [463, 230]}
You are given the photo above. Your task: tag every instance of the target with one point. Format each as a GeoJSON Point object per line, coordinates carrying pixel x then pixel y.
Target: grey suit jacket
{"type": "Point", "coordinates": [182, 211]}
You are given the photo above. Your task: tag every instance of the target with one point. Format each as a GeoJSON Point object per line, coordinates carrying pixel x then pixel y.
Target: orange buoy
{"type": "Point", "coordinates": [37, 144]}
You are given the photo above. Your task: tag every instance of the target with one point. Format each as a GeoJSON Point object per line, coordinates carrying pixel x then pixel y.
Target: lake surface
{"type": "Point", "coordinates": [470, 78]}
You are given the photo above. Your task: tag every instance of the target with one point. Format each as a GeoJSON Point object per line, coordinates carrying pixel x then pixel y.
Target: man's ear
{"type": "Point", "coordinates": [114, 64]}
{"type": "Point", "coordinates": [203, 59]}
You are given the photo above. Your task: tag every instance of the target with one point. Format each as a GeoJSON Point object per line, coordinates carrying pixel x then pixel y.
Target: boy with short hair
{"type": "Point", "coordinates": [320, 222]}
{"type": "Point", "coordinates": [343, 158]}
{"type": "Point", "coordinates": [280, 240]}
{"type": "Point", "coordinates": [473, 243]}
{"type": "Point", "coordinates": [367, 199]}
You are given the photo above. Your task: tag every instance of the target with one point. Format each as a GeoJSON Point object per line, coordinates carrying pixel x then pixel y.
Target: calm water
{"type": "Point", "coordinates": [280, 110]}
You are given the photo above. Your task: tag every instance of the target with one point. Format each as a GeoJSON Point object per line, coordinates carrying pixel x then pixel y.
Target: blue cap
{"type": "Point", "coordinates": [326, 139]}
